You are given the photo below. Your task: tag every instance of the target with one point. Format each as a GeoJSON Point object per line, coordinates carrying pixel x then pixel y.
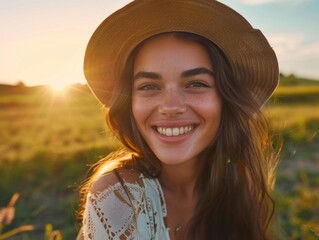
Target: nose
{"type": "Point", "coordinates": [172, 103]}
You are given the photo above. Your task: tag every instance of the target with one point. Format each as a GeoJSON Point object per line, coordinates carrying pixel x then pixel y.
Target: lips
{"type": "Point", "coordinates": [174, 131]}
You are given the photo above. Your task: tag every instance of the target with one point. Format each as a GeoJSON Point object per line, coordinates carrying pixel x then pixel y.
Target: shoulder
{"type": "Point", "coordinates": [120, 187]}
{"type": "Point", "coordinates": [117, 178]}
{"type": "Point", "coordinates": [119, 204]}
{"type": "Point", "coordinates": [110, 210]}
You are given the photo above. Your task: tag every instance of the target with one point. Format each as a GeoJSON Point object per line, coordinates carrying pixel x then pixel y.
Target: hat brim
{"type": "Point", "coordinates": [252, 59]}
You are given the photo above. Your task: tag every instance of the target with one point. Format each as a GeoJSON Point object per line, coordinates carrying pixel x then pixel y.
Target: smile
{"type": "Point", "coordinates": [176, 131]}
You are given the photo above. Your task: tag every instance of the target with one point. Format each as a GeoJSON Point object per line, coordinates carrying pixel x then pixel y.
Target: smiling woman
{"type": "Point", "coordinates": [184, 93]}
{"type": "Point", "coordinates": [184, 98]}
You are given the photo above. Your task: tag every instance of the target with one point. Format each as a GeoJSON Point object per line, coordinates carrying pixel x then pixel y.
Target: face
{"type": "Point", "coordinates": [174, 99]}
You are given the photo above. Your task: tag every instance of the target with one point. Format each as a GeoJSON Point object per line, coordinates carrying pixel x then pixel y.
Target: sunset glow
{"type": "Point", "coordinates": [59, 87]}
{"type": "Point", "coordinates": [42, 41]}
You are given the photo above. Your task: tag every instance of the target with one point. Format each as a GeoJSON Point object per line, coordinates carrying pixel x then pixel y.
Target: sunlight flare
{"type": "Point", "coordinates": [58, 86]}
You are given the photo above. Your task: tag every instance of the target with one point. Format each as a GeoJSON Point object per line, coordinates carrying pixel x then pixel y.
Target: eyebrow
{"type": "Point", "coordinates": [197, 71]}
{"type": "Point", "coordinates": [150, 75]}
{"type": "Point", "coordinates": [185, 74]}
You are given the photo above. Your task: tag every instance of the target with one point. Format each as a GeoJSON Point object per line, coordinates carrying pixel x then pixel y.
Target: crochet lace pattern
{"type": "Point", "coordinates": [133, 211]}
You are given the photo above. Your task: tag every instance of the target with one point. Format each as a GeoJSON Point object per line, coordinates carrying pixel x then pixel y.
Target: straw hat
{"type": "Point", "coordinates": [253, 61]}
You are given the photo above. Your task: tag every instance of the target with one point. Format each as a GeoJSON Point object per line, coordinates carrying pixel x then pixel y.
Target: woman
{"type": "Point", "coordinates": [183, 82]}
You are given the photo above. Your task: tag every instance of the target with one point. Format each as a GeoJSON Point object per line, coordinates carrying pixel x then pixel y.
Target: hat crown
{"type": "Point", "coordinates": [252, 59]}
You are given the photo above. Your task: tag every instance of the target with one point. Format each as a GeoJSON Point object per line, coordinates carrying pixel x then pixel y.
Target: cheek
{"type": "Point", "coordinates": [209, 105]}
{"type": "Point", "coordinates": [210, 109]}
{"type": "Point", "coordinates": [139, 109]}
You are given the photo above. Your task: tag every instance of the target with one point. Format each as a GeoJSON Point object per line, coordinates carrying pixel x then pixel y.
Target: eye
{"type": "Point", "coordinates": [197, 84]}
{"type": "Point", "coordinates": [148, 87]}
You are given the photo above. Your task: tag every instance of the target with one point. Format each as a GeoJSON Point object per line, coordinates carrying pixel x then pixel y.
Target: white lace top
{"type": "Point", "coordinates": [135, 211]}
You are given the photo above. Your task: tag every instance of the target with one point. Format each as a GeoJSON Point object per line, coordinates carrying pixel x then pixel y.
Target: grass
{"type": "Point", "coordinates": [296, 94]}
{"type": "Point", "coordinates": [48, 140]}
{"type": "Point", "coordinates": [55, 123]}
{"type": "Point", "coordinates": [294, 115]}
{"type": "Point", "coordinates": [298, 123]}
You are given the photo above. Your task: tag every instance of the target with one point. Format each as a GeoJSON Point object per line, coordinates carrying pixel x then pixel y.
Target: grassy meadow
{"type": "Point", "coordinates": [49, 139]}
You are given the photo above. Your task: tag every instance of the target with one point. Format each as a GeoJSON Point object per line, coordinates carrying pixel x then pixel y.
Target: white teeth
{"type": "Point", "coordinates": [174, 131]}
{"type": "Point", "coordinates": [168, 132]}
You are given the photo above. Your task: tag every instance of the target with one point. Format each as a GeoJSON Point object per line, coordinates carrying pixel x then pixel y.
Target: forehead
{"type": "Point", "coordinates": [168, 50]}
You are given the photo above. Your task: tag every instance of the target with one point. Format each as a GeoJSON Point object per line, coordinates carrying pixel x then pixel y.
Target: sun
{"type": "Point", "coordinates": [58, 87]}
{"type": "Point", "coordinates": [59, 92]}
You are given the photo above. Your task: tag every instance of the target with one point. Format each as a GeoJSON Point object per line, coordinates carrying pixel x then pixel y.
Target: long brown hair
{"type": "Point", "coordinates": [235, 186]}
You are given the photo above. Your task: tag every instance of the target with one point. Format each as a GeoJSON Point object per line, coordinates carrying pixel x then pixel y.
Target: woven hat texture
{"type": "Point", "coordinates": [252, 59]}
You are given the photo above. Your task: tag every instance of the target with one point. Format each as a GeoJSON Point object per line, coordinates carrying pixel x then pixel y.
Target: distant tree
{"type": "Point", "coordinates": [288, 80]}
{"type": "Point", "coordinates": [20, 84]}
{"type": "Point", "coordinates": [291, 79]}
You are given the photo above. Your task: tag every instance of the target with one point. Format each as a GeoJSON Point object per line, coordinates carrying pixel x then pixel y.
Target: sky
{"type": "Point", "coordinates": [43, 41]}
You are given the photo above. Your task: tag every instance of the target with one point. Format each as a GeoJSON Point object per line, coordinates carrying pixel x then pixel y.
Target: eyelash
{"type": "Point", "coordinates": [148, 87]}
{"type": "Point", "coordinates": [198, 84]}
{"type": "Point", "coordinates": [193, 84]}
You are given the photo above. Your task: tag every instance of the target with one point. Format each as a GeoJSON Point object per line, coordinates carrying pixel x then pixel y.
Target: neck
{"type": "Point", "coordinates": [180, 179]}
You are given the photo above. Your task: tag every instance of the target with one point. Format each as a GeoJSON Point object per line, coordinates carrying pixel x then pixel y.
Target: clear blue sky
{"type": "Point", "coordinates": [43, 41]}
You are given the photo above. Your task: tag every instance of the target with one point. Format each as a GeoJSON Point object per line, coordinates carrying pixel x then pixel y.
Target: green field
{"type": "Point", "coordinates": [48, 140]}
